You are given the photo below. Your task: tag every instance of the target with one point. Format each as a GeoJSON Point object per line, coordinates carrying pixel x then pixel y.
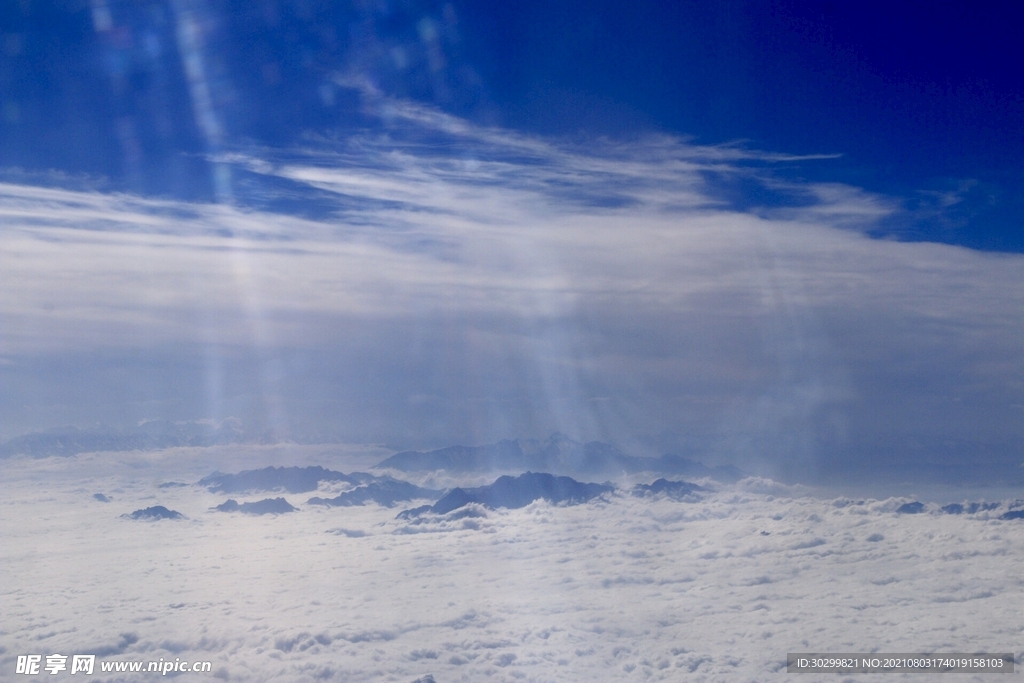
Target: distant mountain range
{"type": "Point", "coordinates": [290, 479]}
{"type": "Point", "coordinates": [558, 454]}
{"type": "Point", "coordinates": [368, 488]}
{"type": "Point", "coordinates": [917, 507]}
{"type": "Point", "coordinates": [505, 492]}
{"type": "Point", "coordinates": [149, 435]}
{"type": "Point", "coordinates": [970, 508]}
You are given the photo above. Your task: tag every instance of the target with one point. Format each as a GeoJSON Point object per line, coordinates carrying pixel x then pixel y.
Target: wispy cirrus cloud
{"type": "Point", "coordinates": [435, 281]}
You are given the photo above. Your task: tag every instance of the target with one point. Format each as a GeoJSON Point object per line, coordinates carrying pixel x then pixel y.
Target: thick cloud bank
{"type": "Point", "coordinates": [713, 587]}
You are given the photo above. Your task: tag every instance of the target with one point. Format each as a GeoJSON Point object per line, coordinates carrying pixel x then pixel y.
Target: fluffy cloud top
{"type": "Point", "coordinates": [713, 588]}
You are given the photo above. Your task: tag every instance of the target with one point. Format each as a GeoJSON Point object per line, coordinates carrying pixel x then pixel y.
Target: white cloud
{"type": "Point", "coordinates": [629, 589]}
{"type": "Point", "coordinates": [469, 284]}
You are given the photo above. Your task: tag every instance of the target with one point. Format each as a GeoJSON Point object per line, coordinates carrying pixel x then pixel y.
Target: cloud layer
{"type": "Point", "coordinates": [714, 588]}
{"type": "Point", "coordinates": [434, 282]}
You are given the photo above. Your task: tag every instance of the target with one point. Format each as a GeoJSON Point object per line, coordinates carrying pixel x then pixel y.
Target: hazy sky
{"type": "Point", "coordinates": [787, 235]}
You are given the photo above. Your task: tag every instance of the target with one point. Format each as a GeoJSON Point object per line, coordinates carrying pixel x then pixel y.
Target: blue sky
{"type": "Point", "coordinates": [784, 236]}
{"type": "Point", "coordinates": [922, 100]}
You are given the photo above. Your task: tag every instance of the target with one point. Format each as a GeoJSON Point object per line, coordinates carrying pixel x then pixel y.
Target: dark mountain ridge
{"type": "Point", "coordinates": [387, 492]}
{"type": "Point", "coordinates": [558, 454]}
{"type": "Point", "coordinates": [367, 488]}
{"type": "Point", "coordinates": [671, 489]}
{"type": "Point", "coordinates": [267, 506]}
{"type": "Point", "coordinates": [290, 479]}
{"type": "Point", "coordinates": [154, 513]}
{"type": "Point", "coordinates": [517, 492]}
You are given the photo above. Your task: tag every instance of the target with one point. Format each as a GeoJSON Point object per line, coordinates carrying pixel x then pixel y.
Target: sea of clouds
{"type": "Point", "coordinates": [717, 588]}
{"type": "Point", "coordinates": [434, 282]}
